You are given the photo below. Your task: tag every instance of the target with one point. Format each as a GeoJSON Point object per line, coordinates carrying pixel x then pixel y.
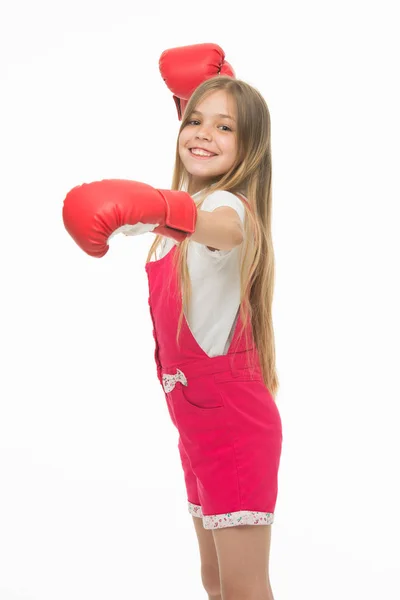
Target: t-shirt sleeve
{"type": "Point", "coordinates": [213, 201]}
{"type": "Point", "coordinates": [223, 198]}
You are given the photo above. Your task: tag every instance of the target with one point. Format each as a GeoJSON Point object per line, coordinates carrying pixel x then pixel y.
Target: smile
{"type": "Point", "coordinates": [202, 156]}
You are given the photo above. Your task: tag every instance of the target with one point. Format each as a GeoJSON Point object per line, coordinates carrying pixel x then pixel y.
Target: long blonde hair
{"type": "Point", "coordinates": [251, 174]}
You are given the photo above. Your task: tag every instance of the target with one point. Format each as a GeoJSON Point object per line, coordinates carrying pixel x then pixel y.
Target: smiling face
{"type": "Point", "coordinates": [215, 134]}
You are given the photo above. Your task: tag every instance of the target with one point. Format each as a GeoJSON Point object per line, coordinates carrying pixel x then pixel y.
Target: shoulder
{"type": "Point", "coordinates": [224, 198]}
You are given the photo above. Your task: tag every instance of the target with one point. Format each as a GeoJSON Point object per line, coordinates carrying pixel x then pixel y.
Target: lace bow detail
{"type": "Point", "coordinates": [169, 381]}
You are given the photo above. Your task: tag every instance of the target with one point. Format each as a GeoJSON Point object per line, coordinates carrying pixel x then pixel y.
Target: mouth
{"type": "Point", "coordinates": [201, 156]}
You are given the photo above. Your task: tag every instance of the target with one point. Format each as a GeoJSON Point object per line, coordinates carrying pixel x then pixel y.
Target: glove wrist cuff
{"type": "Point", "coordinates": [180, 213]}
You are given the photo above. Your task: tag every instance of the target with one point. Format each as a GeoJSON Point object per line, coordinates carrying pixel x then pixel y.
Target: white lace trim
{"type": "Point", "coordinates": [241, 517]}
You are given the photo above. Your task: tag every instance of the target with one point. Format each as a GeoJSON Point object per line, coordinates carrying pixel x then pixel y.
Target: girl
{"type": "Point", "coordinates": [210, 299]}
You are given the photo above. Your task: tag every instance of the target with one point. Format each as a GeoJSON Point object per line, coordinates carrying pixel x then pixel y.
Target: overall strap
{"type": "Point", "coordinates": [241, 197]}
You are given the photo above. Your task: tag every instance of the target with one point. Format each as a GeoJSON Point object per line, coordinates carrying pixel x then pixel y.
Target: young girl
{"type": "Point", "coordinates": [210, 297]}
{"type": "Point", "coordinates": [219, 381]}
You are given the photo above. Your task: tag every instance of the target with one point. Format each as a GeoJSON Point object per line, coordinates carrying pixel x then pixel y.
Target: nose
{"type": "Point", "coordinates": [203, 133]}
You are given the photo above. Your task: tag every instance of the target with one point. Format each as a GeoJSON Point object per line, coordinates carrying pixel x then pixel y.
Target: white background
{"type": "Point", "coordinates": [92, 497]}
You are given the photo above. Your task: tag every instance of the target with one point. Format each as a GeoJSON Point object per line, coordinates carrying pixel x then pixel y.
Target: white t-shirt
{"type": "Point", "coordinates": [215, 279]}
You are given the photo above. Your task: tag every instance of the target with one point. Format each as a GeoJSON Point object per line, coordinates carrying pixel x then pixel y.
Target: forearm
{"type": "Point", "coordinates": [215, 230]}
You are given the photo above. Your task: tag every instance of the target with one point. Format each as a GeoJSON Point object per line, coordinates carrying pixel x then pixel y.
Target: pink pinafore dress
{"type": "Point", "coordinates": [230, 430]}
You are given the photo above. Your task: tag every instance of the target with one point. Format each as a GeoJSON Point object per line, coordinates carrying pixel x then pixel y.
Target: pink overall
{"type": "Point", "coordinates": [230, 431]}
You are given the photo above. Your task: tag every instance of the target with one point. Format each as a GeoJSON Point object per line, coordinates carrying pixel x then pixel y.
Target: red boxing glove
{"type": "Point", "coordinates": [94, 212]}
{"type": "Point", "coordinates": [186, 67]}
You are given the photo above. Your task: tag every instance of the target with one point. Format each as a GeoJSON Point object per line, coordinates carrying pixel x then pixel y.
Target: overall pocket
{"type": "Point", "coordinates": [202, 394]}
{"type": "Point", "coordinates": [244, 374]}
{"type": "Point", "coordinates": [203, 424]}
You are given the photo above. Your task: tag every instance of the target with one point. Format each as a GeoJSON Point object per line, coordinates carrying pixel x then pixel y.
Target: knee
{"type": "Point", "coordinates": [211, 580]}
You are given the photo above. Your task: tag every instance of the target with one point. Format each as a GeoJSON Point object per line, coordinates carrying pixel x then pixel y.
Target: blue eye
{"type": "Point", "coordinates": [194, 121]}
